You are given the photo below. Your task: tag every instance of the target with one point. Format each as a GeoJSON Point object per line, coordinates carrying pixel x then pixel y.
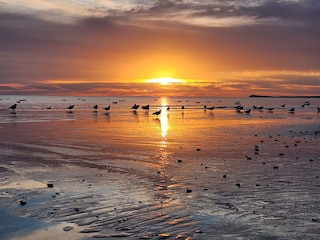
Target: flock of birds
{"type": "Point", "coordinates": [239, 108]}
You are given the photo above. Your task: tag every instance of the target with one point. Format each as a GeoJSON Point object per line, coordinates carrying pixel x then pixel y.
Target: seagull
{"type": "Point", "coordinates": [135, 106]}
{"type": "Point", "coordinates": [107, 108]}
{"type": "Point", "coordinates": [146, 107]}
{"type": "Point", "coordinates": [291, 110]}
{"type": "Point", "coordinates": [239, 107]}
{"type": "Point", "coordinates": [157, 112]}
{"type": "Point", "coordinates": [247, 111]}
{"type": "Point", "coordinates": [283, 105]}
{"type": "Point", "coordinates": [209, 108]}
{"type": "Point", "coordinates": [13, 107]}
{"type": "Point", "coordinates": [270, 109]}
{"type": "Point", "coordinates": [95, 107]}
{"type": "Point", "coordinates": [70, 107]}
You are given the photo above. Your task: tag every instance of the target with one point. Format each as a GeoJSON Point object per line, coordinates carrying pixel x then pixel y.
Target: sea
{"type": "Point", "coordinates": [54, 108]}
{"type": "Point", "coordinates": [249, 168]}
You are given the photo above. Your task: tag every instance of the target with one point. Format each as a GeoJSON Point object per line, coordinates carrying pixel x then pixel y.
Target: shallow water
{"type": "Point", "coordinates": [186, 173]}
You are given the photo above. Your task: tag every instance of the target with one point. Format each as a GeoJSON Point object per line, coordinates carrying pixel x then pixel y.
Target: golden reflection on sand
{"type": "Point", "coordinates": [25, 184]}
{"type": "Point", "coordinates": [164, 124]}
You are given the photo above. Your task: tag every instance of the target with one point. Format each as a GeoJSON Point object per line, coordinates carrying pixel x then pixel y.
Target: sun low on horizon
{"type": "Point", "coordinates": [165, 80]}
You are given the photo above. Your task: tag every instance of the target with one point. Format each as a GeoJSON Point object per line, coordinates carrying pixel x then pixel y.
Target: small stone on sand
{"type": "Point", "coordinates": [67, 228]}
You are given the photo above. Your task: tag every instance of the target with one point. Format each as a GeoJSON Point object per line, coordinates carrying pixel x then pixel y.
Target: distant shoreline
{"type": "Point", "coordinates": [263, 96]}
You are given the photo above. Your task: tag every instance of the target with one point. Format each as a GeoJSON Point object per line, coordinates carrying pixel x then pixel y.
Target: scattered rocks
{"type": "Point", "coordinates": [23, 202]}
{"type": "Point", "coordinates": [67, 228]}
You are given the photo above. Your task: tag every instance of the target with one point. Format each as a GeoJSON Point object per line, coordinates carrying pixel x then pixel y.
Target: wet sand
{"type": "Point", "coordinates": [161, 178]}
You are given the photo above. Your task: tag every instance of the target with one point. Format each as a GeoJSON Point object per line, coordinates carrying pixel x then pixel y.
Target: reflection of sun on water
{"type": "Point", "coordinates": [164, 121]}
{"type": "Point", "coordinates": [164, 127]}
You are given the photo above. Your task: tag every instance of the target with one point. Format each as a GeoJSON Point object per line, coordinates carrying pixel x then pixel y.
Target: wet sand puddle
{"type": "Point", "coordinates": [167, 178]}
{"type": "Point", "coordinates": [113, 199]}
{"type": "Point", "coordinates": [260, 194]}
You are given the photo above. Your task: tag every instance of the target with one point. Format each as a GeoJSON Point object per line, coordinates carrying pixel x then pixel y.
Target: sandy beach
{"type": "Point", "coordinates": [182, 175]}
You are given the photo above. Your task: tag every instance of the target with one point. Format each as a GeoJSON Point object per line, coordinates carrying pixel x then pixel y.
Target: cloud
{"type": "Point", "coordinates": [105, 43]}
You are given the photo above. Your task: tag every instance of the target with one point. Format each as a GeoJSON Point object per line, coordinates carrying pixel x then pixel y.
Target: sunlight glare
{"type": "Point", "coordinates": [165, 80]}
{"type": "Point", "coordinates": [164, 120]}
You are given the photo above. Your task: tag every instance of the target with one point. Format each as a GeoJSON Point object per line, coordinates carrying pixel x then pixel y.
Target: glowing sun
{"type": "Point", "coordinates": [165, 80]}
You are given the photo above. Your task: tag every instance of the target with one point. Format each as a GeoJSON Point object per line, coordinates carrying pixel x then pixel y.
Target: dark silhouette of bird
{"type": "Point", "coordinates": [107, 108]}
{"type": "Point", "coordinates": [146, 107]}
{"type": "Point", "coordinates": [318, 109]}
{"type": "Point", "coordinates": [157, 112]}
{"type": "Point", "coordinates": [13, 107]}
{"type": "Point", "coordinates": [270, 109]}
{"type": "Point", "coordinates": [239, 107]}
{"type": "Point", "coordinates": [247, 111]}
{"type": "Point", "coordinates": [49, 107]}
{"type": "Point", "coordinates": [291, 110]}
{"type": "Point", "coordinates": [182, 107]}
{"type": "Point", "coordinates": [70, 107]}
{"type": "Point", "coordinates": [208, 108]}
{"type": "Point", "coordinates": [283, 105]}
{"type": "Point", "coordinates": [168, 108]}
{"type": "Point", "coordinates": [135, 106]}
{"type": "Point", "coordinates": [95, 107]}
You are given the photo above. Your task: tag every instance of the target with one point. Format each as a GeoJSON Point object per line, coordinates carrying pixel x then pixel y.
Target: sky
{"type": "Point", "coordinates": [218, 48]}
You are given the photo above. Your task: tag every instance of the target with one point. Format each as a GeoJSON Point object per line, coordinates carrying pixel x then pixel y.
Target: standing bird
{"type": "Point", "coordinates": [168, 108]}
{"type": "Point", "coordinates": [135, 106]}
{"type": "Point", "coordinates": [208, 108]}
{"type": "Point", "coordinates": [291, 110]}
{"type": "Point", "coordinates": [70, 107]}
{"type": "Point", "coordinates": [283, 105]}
{"type": "Point", "coordinates": [146, 107]}
{"type": "Point", "coordinates": [182, 107]}
{"type": "Point", "coordinates": [247, 111]}
{"type": "Point", "coordinates": [157, 112]}
{"type": "Point", "coordinates": [95, 107]}
{"type": "Point", "coordinates": [13, 107]}
{"type": "Point", "coordinates": [107, 108]}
